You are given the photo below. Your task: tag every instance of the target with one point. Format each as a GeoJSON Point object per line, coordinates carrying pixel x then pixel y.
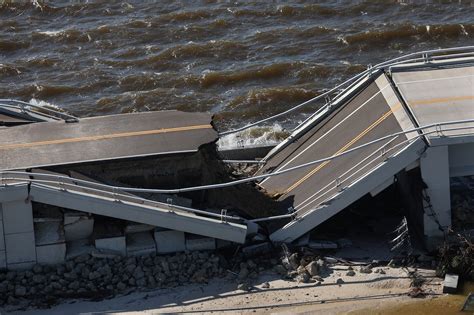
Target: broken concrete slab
{"type": "Point", "coordinates": [78, 248]}
{"type": "Point", "coordinates": [51, 254]}
{"type": "Point", "coordinates": [450, 284]}
{"type": "Point", "coordinates": [77, 226]}
{"type": "Point", "coordinates": [168, 241]}
{"type": "Point", "coordinates": [196, 242]}
{"type": "Point", "coordinates": [469, 303]}
{"type": "Point", "coordinates": [49, 232]}
{"type": "Point", "coordinates": [140, 244]}
{"type": "Point", "coordinates": [116, 245]}
{"type": "Point", "coordinates": [20, 248]}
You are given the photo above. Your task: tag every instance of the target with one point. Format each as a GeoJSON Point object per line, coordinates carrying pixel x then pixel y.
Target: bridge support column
{"type": "Point", "coordinates": [434, 166]}
{"type": "Point", "coordinates": [3, 257]}
{"type": "Point", "coordinates": [17, 240]}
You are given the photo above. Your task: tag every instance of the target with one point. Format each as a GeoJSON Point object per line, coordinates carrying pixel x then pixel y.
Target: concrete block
{"type": "Point", "coordinates": [17, 217]}
{"type": "Point", "coordinates": [20, 248]}
{"type": "Point", "coordinates": [169, 241]}
{"type": "Point", "coordinates": [49, 232]}
{"type": "Point", "coordinates": [133, 227]}
{"type": "Point", "coordinates": [194, 243]}
{"type": "Point", "coordinates": [78, 248]}
{"type": "Point", "coordinates": [252, 228]}
{"type": "Point", "coordinates": [51, 254]}
{"type": "Point", "coordinates": [140, 244]}
{"type": "Point", "coordinates": [450, 284]}
{"type": "Point", "coordinates": [77, 226]}
{"type": "Point", "coordinates": [2, 237]}
{"type": "Point", "coordinates": [3, 260]}
{"type": "Point", "coordinates": [116, 245]}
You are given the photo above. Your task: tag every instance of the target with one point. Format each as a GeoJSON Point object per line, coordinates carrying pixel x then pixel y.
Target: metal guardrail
{"type": "Point", "coordinates": [438, 129]}
{"type": "Point", "coordinates": [422, 56]}
{"type": "Point", "coordinates": [65, 184]}
{"type": "Point", "coordinates": [25, 107]}
{"type": "Point", "coordinates": [115, 192]}
{"type": "Point", "coordinates": [338, 183]}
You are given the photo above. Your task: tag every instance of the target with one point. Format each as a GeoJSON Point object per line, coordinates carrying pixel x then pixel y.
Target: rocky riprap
{"type": "Point", "coordinates": [96, 278]}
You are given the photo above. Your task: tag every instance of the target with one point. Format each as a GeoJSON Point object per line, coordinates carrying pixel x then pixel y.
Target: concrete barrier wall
{"type": "Point", "coordinates": [19, 234]}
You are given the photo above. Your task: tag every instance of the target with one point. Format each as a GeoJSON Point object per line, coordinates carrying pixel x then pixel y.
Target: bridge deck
{"type": "Point", "coordinates": [373, 113]}
{"type": "Point", "coordinates": [104, 138]}
{"type": "Point", "coordinates": [400, 101]}
{"type": "Point", "coordinates": [439, 95]}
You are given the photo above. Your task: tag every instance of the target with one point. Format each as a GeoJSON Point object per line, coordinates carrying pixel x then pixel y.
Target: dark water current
{"type": "Point", "coordinates": [242, 60]}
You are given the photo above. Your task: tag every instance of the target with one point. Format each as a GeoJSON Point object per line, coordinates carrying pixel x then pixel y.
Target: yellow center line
{"type": "Point", "coordinates": [442, 99]}
{"type": "Point", "coordinates": [395, 108]}
{"type": "Point", "coordinates": [103, 137]}
{"type": "Point", "coordinates": [345, 147]}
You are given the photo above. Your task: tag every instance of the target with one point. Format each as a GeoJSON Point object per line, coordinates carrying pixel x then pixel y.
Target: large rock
{"type": "Point", "coordinates": [313, 268]}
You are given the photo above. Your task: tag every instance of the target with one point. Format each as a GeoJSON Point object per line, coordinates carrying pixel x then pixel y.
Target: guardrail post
{"type": "Point", "coordinates": [169, 202]}
{"type": "Point", "coordinates": [338, 184]}
{"type": "Point", "coordinates": [328, 101]}
{"type": "Point", "coordinates": [223, 215]}
{"type": "Point", "coordinates": [425, 58]}
{"type": "Point", "coordinates": [116, 195]}
{"type": "Point", "coordinates": [439, 131]}
{"type": "Point", "coordinates": [370, 69]}
{"type": "Point", "coordinates": [383, 154]}
{"type": "Point", "coordinates": [61, 184]}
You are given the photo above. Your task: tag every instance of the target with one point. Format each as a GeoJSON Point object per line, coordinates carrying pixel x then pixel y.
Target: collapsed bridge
{"type": "Point", "coordinates": [413, 112]}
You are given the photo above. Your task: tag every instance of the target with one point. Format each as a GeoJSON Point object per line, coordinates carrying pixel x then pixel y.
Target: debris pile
{"type": "Point", "coordinates": [300, 267]}
{"type": "Point", "coordinates": [457, 258]}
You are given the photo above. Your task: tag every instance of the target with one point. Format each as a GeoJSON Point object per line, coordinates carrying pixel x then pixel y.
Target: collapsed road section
{"type": "Point", "coordinates": [401, 117]}
{"type": "Point", "coordinates": [49, 211]}
{"type": "Point", "coordinates": [64, 180]}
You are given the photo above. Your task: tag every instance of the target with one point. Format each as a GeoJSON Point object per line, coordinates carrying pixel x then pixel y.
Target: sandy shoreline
{"type": "Point", "coordinates": [361, 291]}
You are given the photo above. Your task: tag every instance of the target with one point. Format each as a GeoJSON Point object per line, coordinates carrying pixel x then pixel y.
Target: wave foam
{"type": "Point", "coordinates": [255, 136]}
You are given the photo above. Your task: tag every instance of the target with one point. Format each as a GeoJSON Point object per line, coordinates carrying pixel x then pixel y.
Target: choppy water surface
{"type": "Point", "coordinates": [242, 60]}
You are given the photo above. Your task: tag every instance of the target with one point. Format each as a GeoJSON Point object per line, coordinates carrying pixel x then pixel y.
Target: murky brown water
{"type": "Point", "coordinates": [445, 305]}
{"type": "Point", "coordinates": [242, 60]}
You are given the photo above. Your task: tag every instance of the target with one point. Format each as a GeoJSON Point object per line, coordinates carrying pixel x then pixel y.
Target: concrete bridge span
{"type": "Point", "coordinates": [428, 107]}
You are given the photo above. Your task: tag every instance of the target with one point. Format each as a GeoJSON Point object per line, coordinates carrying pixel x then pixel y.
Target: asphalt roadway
{"type": "Point", "coordinates": [366, 117]}
{"type": "Point", "coordinates": [104, 138]}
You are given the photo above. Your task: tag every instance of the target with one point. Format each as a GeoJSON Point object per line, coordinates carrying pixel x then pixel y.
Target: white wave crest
{"type": "Point", "coordinates": [45, 104]}
{"type": "Point", "coordinates": [255, 136]}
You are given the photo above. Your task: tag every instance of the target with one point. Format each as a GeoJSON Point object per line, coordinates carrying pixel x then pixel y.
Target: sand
{"type": "Point", "coordinates": [362, 291]}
